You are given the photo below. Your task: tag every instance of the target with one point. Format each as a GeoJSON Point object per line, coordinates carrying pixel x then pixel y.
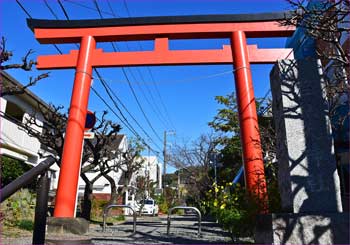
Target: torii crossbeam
{"type": "Point", "coordinates": [160, 29]}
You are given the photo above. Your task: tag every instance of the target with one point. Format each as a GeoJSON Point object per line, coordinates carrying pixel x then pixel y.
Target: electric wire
{"type": "Point", "coordinates": [25, 11]}
{"type": "Point", "coordinates": [164, 118]}
{"type": "Point", "coordinates": [167, 117]}
{"type": "Point", "coordinates": [192, 79]}
{"type": "Point", "coordinates": [132, 130]}
{"type": "Point", "coordinates": [109, 91]}
{"type": "Point", "coordinates": [142, 91]}
{"type": "Point", "coordinates": [115, 49]}
{"type": "Point", "coordinates": [160, 98]}
{"type": "Point", "coordinates": [151, 75]}
{"type": "Point", "coordinates": [50, 9]}
{"type": "Point", "coordinates": [86, 7]}
{"type": "Point", "coordinates": [63, 9]}
{"type": "Point", "coordinates": [131, 87]}
{"type": "Point", "coordinates": [153, 108]}
{"type": "Point", "coordinates": [102, 81]}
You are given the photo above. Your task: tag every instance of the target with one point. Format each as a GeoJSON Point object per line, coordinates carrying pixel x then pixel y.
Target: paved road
{"type": "Point", "coordinates": [149, 230]}
{"type": "Point", "coordinates": [152, 230]}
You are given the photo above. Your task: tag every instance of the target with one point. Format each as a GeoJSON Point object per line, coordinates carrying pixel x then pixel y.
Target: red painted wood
{"type": "Point", "coordinates": [72, 148]}
{"type": "Point", "coordinates": [171, 31]}
{"type": "Point", "coordinates": [162, 56]}
{"type": "Point", "coordinates": [248, 119]}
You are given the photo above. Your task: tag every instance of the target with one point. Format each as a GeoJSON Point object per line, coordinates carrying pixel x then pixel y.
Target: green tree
{"type": "Point", "coordinates": [11, 169]}
{"type": "Point", "coordinates": [230, 204]}
{"type": "Point", "coordinates": [226, 124]}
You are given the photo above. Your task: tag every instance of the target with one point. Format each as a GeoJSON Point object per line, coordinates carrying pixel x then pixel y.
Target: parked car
{"type": "Point", "coordinates": [149, 207]}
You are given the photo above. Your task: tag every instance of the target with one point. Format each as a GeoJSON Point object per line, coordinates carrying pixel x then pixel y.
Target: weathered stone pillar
{"type": "Point", "coordinates": [308, 178]}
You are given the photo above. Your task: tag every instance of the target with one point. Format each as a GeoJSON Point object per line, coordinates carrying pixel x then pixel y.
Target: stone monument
{"type": "Point", "coordinates": [308, 177]}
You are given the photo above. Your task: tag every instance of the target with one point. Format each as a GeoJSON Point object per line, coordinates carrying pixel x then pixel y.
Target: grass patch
{"type": "Point", "coordinates": [14, 231]}
{"type": "Point", "coordinates": [25, 225]}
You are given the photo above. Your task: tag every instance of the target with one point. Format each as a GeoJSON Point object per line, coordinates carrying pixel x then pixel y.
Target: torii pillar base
{"type": "Point", "coordinates": [67, 231]}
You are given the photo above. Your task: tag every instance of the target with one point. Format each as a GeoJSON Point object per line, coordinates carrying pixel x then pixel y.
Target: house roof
{"type": "Point", "coordinates": [27, 95]}
{"type": "Point", "coordinates": [118, 139]}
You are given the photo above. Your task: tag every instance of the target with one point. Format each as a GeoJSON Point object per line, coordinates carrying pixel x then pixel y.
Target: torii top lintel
{"type": "Point", "coordinates": [161, 29]}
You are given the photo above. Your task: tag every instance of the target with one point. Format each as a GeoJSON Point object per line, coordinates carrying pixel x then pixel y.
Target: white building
{"type": "Point", "coordinates": [102, 186]}
{"type": "Point", "coordinates": [151, 170]}
{"type": "Point", "coordinates": [15, 109]}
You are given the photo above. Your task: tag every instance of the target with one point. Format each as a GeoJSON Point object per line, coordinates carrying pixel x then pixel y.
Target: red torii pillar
{"type": "Point", "coordinates": [248, 119]}
{"type": "Point", "coordinates": [72, 148]}
{"type": "Point", "coordinates": [87, 32]}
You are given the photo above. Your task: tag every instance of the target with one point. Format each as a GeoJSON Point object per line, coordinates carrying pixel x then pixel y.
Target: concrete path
{"type": "Point", "coordinates": [152, 230]}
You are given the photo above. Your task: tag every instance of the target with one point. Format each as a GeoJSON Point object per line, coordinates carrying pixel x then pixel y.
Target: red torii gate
{"type": "Point", "coordinates": [159, 29]}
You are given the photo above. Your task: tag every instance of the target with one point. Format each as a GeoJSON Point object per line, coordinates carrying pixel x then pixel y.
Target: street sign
{"type": "Point", "coordinates": [89, 135]}
{"type": "Point", "coordinates": [90, 120]}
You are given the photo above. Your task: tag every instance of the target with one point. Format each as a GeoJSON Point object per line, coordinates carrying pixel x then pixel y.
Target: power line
{"type": "Point", "coordinates": [138, 103]}
{"type": "Point", "coordinates": [25, 11]}
{"type": "Point", "coordinates": [86, 7]}
{"type": "Point", "coordinates": [126, 7]}
{"type": "Point", "coordinates": [131, 87]}
{"type": "Point", "coordinates": [142, 91]}
{"type": "Point", "coordinates": [109, 91]}
{"type": "Point", "coordinates": [98, 9]}
{"type": "Point", "coordinates": [191, 79]}
{"type": "Point", "coordinates": [151, 75]}
{"type": "Point", "coordinates": [63, 9]}
{"type": "Point", "coordinates": [50, 9]}
{"type": "Point", "coordinates": [162, 118]}
{"type": "Point", "coordinates": [160, 97]}
{"type": "Point", "coordinates": [154, 109]}
{"type": "Point", "coordinates": [132, 130]}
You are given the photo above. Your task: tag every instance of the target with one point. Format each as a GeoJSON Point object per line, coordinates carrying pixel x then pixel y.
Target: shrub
{"type": "Point", "coordinates": [19, 209]}
{"type": "Point", "coordinates": [235, 210]}
{"type": "Point", "coordinates": [97, 208]}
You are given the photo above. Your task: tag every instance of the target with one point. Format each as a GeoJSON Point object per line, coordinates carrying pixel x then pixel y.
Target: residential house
{"type": "Point", "coordinates": [15, 109]}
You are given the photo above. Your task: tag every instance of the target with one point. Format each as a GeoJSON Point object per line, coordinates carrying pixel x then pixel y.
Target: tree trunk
{"type": "Point", "coordinates": [87, 202]}
{"type": "Point", "coordinates": [114, 196]}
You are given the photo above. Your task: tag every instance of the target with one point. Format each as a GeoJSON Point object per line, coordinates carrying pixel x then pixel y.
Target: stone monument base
{"type": "Point", "coordinates": [302, 228]}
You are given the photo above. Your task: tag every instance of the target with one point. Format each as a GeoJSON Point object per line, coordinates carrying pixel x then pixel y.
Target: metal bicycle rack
{"type": "Point", "coordinates": [105, 213]}
{"type": "Point", "coordinates": [185, 207]}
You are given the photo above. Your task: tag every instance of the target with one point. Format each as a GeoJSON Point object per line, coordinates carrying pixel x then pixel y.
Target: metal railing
{"type": "Point", "coordinates": [26, 178]}
{"type": "Point", "coordinates": [42, 195]}
{"type": "Point", "coordinates": [105, 214]}
{"type": "Point", "coordinates": [185, 207]}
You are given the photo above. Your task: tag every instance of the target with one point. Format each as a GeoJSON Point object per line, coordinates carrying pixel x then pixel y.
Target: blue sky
{"type": "Point", "coordinates": [186, 91]}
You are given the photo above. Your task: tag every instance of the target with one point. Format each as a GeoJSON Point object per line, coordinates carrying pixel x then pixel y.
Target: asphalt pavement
{"type": "Point", "coordinates": [153, 230]}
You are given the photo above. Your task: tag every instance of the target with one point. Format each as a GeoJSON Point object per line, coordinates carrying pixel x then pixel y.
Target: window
{"type": "Point", "coordinates": [14, 111]}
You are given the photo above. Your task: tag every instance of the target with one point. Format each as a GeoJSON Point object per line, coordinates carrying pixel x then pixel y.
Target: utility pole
{"type": "Point", "coordinates": [164, 151]}
{"type": "Point", "coordinates": [178, 184]}
{"type": "Point", "coordinates": [148, 171]}
{"type": "Point", "coordinates": [164, 155]}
